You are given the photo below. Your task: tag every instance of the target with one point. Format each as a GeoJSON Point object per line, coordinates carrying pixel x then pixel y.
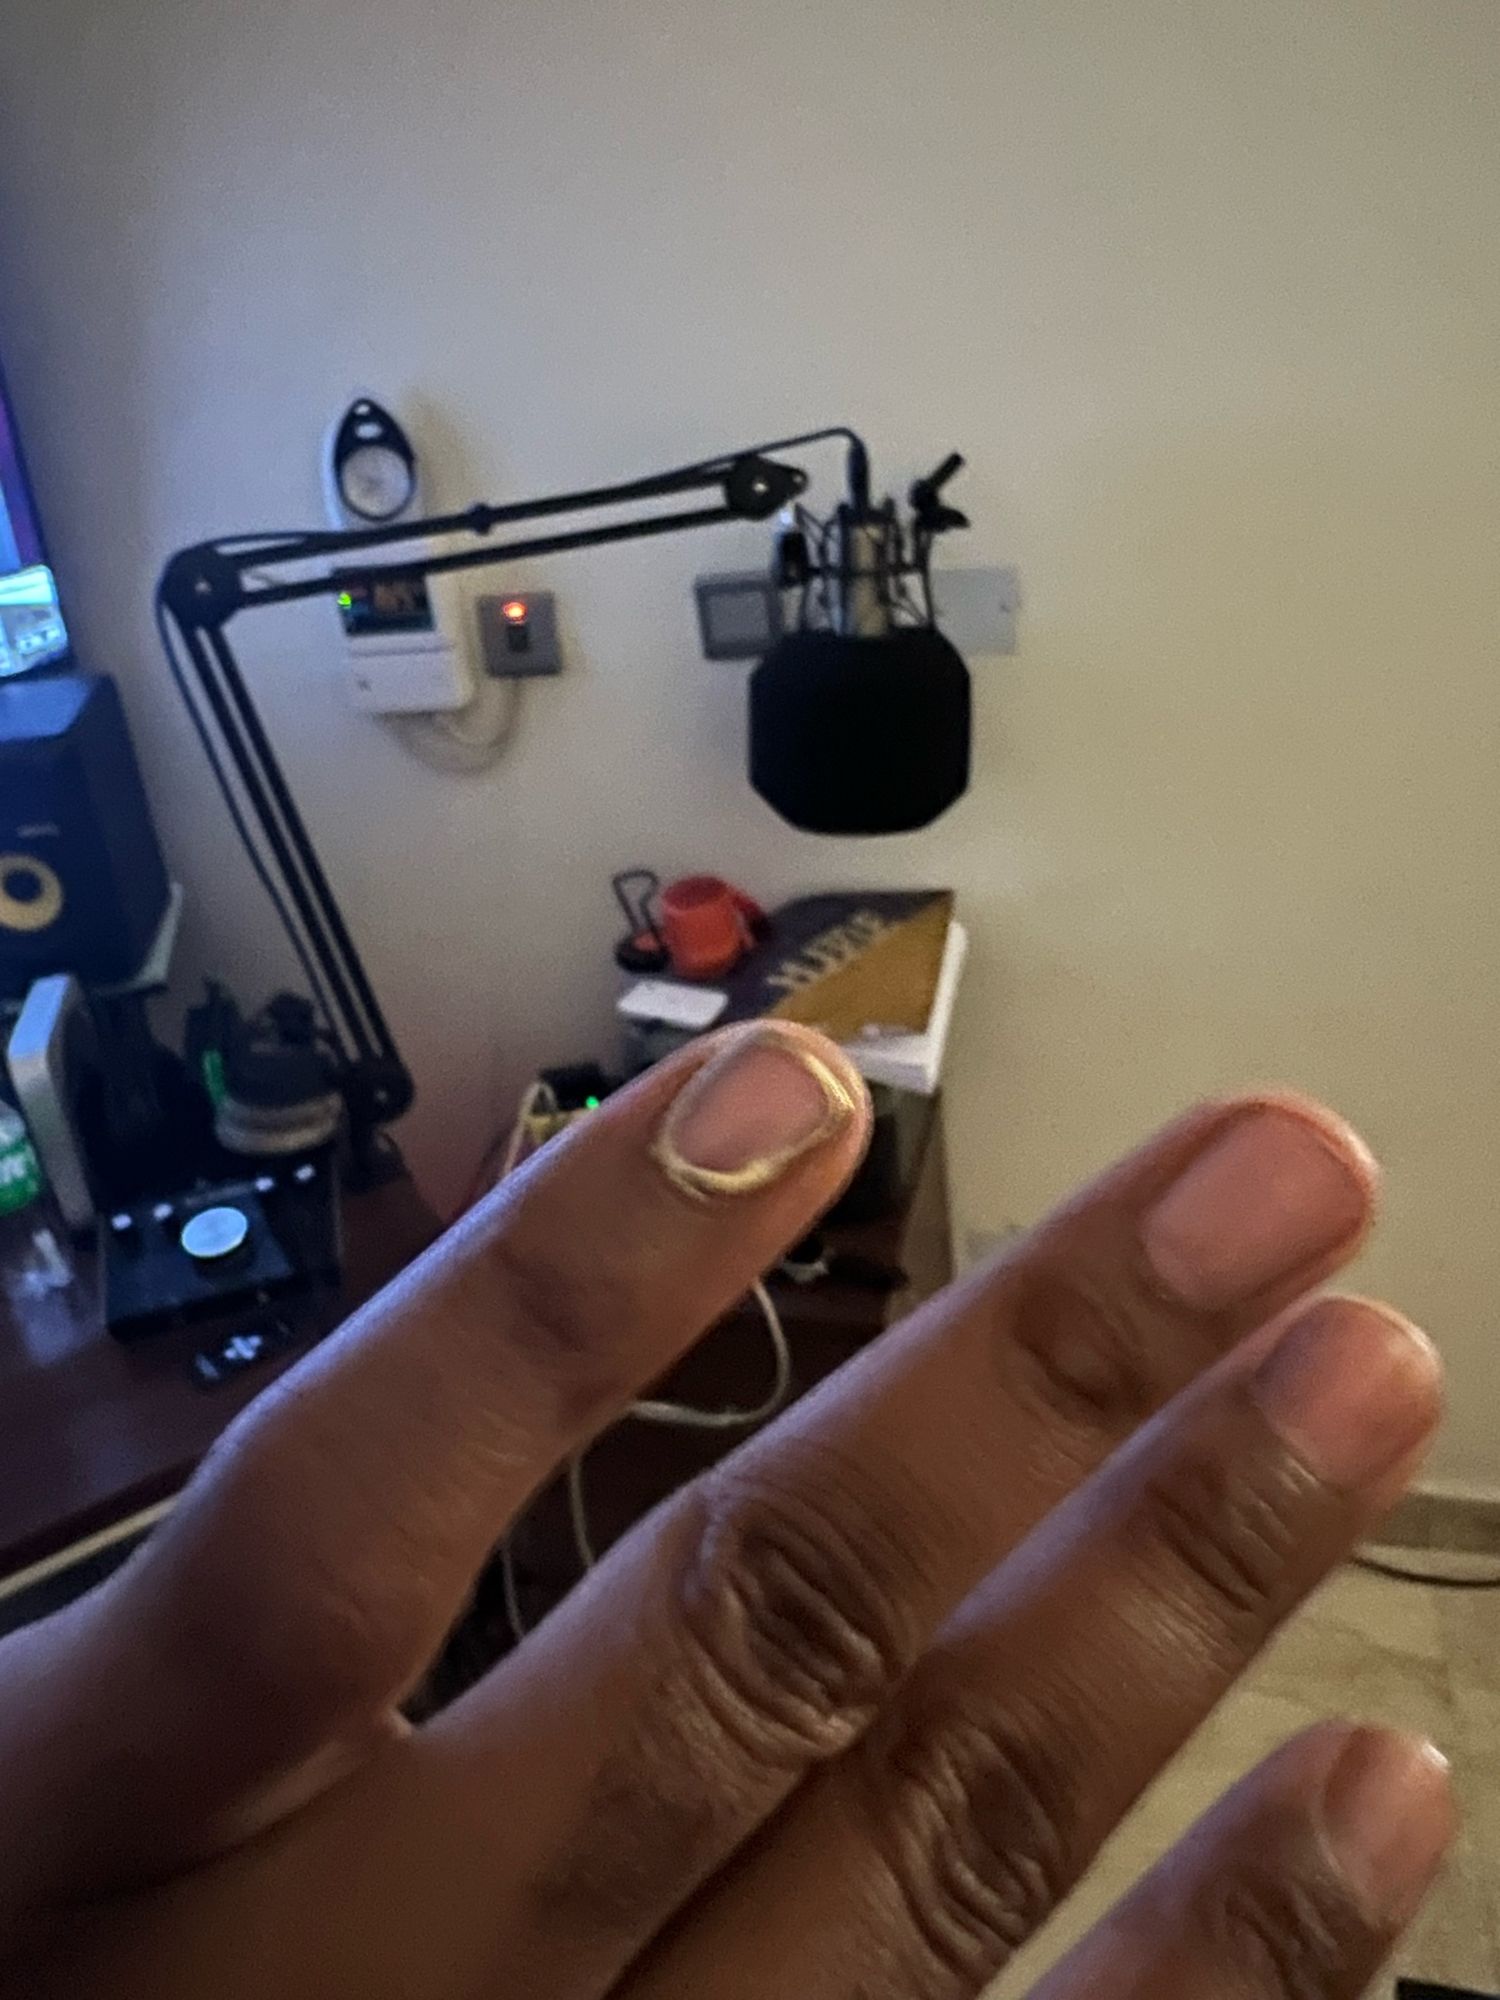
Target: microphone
{"type": "Point", "coordinates": [860, 720]}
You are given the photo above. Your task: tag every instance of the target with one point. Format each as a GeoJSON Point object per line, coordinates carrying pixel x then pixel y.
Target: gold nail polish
{"type": "Point", "coordinates": [748, 1114]}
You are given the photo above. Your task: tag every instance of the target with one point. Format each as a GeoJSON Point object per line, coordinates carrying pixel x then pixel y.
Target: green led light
{"type": "Point", "coordinates": [346, 602]}
{"type": "Point", "coordinates": [591, 1104]}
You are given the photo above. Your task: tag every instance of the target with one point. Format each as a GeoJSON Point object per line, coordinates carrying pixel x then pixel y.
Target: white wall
{"type": "Point", "coordinates": [1208, 293]}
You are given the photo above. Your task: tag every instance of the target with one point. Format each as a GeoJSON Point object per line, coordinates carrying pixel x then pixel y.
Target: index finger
{"type": "Point", "coordinates": [316, 1562]}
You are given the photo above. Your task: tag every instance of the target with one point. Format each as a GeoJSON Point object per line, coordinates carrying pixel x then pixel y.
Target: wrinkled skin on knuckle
{"type": "Point", "coordinates": [1220, 1537]}
{"type": "Point", "coordinates": [562, 1318]}
{"type": "Point", "coordinates": [795, 1606]}
{"type": "Point", "coordinates": [1083, 1353]}
{"type": "Point", "coordinates": [979, 1828]}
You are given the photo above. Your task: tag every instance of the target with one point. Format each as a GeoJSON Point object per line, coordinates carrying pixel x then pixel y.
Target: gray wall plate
{"type": "Point", "coordinates": [740, 612]}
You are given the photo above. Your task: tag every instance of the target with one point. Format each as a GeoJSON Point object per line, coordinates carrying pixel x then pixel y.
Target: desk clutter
{"type": "Point", "coordinates": [876, 969]}
{"type": "Point", "coordinates": [186, 1210]}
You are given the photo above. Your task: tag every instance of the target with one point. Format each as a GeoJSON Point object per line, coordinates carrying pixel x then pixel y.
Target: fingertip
{"type": "Point", "coordinates": [1353, 1388]}
{"type": "Point", "coordinates": [1388, 1816]}
{"type": "Point", "coordinates": [1334, 1131]}
{"type": "Point", "coordinates": [1274, 1186]}
{"type": "Point", "coordinates": [764, 1098]}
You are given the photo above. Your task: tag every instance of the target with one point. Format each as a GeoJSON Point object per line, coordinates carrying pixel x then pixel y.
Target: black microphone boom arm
{"type": "Point", "coordinates": [204, 587]}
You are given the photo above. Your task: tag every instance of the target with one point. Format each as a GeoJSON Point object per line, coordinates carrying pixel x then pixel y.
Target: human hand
{"type": "Point", "coordinates": [842, 1721]}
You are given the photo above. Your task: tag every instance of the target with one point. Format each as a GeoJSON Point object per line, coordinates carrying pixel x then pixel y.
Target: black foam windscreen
{"type": "Point", "coordinates": [860, 736]}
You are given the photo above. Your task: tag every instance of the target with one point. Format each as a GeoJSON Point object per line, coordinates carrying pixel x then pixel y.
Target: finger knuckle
{"type": "Point", "coordinates": [558, 1315]}
{"type": "Point", "coordinates": [334, 1652]}
{"type": "Point", "coordinates": [1217, 1537]}
{"type": "Point", "coordinates": [1086, 1348]}
{"type": "Point", "coordinates": [1285, 1933]}
{"type": "Point", "coordinates": [795, 1605]}
{"type": "Point", "coordinates": [979, 1829]}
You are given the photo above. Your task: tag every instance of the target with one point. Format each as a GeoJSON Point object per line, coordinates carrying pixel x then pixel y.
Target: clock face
{"type": "Point", "coordinates": [375, 482]}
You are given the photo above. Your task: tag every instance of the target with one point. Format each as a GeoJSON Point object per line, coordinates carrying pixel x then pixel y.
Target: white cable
{"type": "Point", "coordinates": [513, 1616]}
{"type": "Point", "coordinates": [578, 1514]}
{"type": "Point", "coordinates": [686, 1417]}
{"type": "Point", "coordinates": [680, 1416]}
{"type": "Point", "coordinates": [541, 1097]}
{"type": "Point", "coordinates": [463, 741]}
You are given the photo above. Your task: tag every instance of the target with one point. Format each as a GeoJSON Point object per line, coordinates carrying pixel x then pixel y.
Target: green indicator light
{"type": "Point", "coordinates": [591, 1104]}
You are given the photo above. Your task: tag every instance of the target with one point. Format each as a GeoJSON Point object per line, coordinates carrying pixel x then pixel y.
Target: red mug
{"type": "Point", "coordinates": [708, 924]}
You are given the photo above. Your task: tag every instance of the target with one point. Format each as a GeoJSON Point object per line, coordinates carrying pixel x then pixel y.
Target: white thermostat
{"type": "Point", "coordinates": [406, 646]}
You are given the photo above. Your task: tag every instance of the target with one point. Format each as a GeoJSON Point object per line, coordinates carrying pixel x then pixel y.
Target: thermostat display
{"type": "Point", "coordinates": [373, 604]}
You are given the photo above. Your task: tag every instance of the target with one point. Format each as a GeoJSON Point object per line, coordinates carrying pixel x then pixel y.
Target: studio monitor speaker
{"type": "Point", "coordinates": [83, 886]}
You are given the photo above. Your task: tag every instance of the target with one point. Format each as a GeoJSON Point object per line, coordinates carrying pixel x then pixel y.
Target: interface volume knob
{"type": "Point", "coordinates": [215, 1234]}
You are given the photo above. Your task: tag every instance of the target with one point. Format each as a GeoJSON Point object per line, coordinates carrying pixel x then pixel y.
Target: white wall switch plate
{"type": "Point", "coordinates": [415, 681]}
{"type": "Point", "coordinates": [978, 608]}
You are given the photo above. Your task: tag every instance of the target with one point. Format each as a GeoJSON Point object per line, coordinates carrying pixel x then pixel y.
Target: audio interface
{"type": "Point", "coordinates": [237, 1243]}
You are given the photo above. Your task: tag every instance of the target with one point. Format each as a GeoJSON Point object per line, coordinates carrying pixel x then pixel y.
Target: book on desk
{"type": "Point", "coordinates": [878, 970]}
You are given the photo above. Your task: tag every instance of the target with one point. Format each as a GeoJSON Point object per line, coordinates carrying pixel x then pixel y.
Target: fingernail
{"type": "Point", "coordinates": [1271, 1194]}
{"type": "Point", "coordinates": [759, 1105]}
{"type": "Point", "coordinates": [1388, 1817]}
{"type": "Point", "coordinates": [1352, 1388]}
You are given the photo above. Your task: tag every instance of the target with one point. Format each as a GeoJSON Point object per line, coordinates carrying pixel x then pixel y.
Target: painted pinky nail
{"type": "Point", "coordinates": [754, 1109]}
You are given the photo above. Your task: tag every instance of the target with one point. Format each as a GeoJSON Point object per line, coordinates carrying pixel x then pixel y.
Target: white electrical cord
{"type": "Point", "coordinates": [511, 1595]}
{"type": "Point", "coordinates": [540, 1099]}
{"type": "Point", "coordinates": [578, 1514]}
{"type": "Point", "coordinates": [463, 741]}
{"type": "Point", "coordinates": [681, 1416]}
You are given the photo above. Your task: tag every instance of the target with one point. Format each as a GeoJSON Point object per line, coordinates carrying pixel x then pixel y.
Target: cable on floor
{"type": "Point", "coordinates": [1398, 1573]}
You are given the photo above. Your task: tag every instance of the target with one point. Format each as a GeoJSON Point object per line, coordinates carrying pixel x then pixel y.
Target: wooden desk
{"type": "Point", "coordinates": [93, 1432]}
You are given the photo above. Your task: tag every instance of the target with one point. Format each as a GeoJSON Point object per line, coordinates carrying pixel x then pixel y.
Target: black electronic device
{"type": "Point", "coordinates": [243, 1242]}
{"type": "Point", "coordinates": [581, 1086]}
{"type": "Point", "coordinates": [83, 887]}
{"type": "Point", "coordinates": [373, 605]}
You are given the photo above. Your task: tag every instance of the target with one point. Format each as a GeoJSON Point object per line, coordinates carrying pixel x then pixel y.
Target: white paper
{"type": "Point", "coordinates": [678, 1005]}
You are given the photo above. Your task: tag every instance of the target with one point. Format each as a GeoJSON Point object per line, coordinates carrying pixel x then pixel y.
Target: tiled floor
{"type": "Point", "coordinates": [1378, 1651]}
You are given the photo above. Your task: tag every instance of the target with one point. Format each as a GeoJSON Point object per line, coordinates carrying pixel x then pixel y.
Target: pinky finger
{"type": "Point", "coordinates": [1294, 1887]}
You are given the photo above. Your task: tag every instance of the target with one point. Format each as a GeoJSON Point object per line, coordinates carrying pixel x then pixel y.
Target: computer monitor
{"type": "Point", "coordinates": [32, 633]}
